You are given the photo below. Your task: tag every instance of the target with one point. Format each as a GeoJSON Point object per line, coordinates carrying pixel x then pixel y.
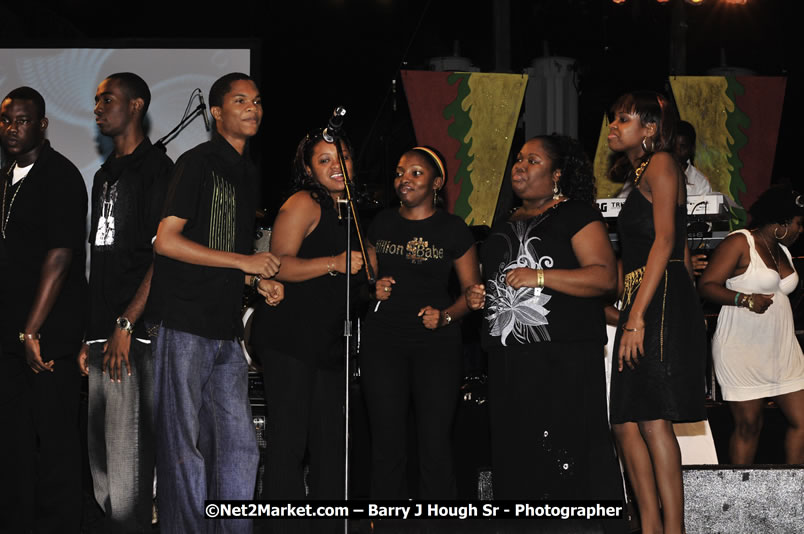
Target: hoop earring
{"type": "Point", "coordinates": [556, 191]}
{"type": "Point", "coordinates": [786, 229]}
{"type": "Point", "coordinates": [645, 145]}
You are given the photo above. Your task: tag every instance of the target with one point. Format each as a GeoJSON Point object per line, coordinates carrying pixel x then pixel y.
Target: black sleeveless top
{"type": "Point", "coordinates": [308, 323]}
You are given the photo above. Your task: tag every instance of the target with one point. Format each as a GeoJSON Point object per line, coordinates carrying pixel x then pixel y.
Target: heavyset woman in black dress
{"type": "Point", "coordinates": [545, 269]}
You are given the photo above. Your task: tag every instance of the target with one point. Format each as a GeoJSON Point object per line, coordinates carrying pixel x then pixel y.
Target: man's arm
{"type": "Point", "coordinates": [54, 272]}
{"type": "Point", "coordinates": [170, 242]}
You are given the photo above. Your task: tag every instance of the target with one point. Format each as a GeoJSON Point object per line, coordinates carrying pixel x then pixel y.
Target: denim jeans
{"type": "Point", "coordinates": [120, 439]}
{"type": "Point", "coordinates": [206, 443]}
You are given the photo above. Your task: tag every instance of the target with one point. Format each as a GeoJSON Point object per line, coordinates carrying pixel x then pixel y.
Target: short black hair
{"type": "Point", "coordinates": [134, 87]}
{"type": "Point", "coordinates": [29, 93]}
{"type": "Point", "coordinates": [777, 205]}
{"type": "Point", "coordinates": [683, 128]}
{"type": "Point", "coordinates": [223, 85]}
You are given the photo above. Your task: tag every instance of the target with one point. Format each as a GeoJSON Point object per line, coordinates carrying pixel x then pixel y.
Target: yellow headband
{"type": "Point", "coordinates": [435, 158]}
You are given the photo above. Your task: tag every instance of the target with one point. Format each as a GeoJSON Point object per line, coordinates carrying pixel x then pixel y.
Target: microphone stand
{"type": "Point", "coordinates": [172, 134]}
{"type": "Point", "coordinates": [351, 214]}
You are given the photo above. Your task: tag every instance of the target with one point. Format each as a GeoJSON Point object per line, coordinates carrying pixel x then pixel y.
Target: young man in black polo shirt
{"type": "Point", "coordinates": [42, 298]}
{"type": "Point", "coordinates": [127, 197]}
{"type": "Point", "coordinates": [206, 445]}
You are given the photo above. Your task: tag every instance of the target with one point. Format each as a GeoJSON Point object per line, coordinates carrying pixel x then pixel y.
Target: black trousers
{"type": "Point", "coordinates": [40, 452]}
{"type": "Point", "coordinates": [304, 428]}
{"type": "Point", "coordinates": [394, 376]}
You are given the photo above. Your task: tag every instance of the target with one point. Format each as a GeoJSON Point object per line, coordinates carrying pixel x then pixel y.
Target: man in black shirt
{"type": "Point", "coordinates": [206, 445]}
{"type": "Point", "coordinates": [42, 295]}
{"type": "Point", "coordinates": [127, 197]}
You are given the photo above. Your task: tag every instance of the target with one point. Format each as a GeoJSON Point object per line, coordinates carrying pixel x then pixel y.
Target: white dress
{"type": "Point", "coordinates": [758, 355]}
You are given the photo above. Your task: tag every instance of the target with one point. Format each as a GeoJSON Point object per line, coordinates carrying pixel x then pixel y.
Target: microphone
{"type": "Point", "coordinates": [203, 107]}
{"type": "Point", "coordinates": [334, 125]}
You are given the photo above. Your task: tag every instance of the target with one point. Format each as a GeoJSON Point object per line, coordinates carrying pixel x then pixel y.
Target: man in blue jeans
{"type": "Point", "coordinates": [206, 445]}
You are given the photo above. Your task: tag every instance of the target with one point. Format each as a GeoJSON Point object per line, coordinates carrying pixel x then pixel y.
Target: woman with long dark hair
{"type": "Point", "coordinates": [660, 348]}
{"type": "Point", "coordinates": [300, 342]}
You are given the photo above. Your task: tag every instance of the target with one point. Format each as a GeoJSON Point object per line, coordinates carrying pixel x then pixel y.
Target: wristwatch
{"type": "Point", "coordinates": [447, 318]}
{"type": "Point", "coordinates": [124, 324]}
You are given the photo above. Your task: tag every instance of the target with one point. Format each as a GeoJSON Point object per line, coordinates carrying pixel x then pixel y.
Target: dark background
{"type": "Point", "coordinates": [312, 55]}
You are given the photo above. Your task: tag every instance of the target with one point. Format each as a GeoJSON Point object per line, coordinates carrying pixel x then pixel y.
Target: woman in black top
{"type": "Point", "coordinates": [545, 269]}
{"type": "Point", "coordinates": [300, 342]}
{"type": "Point", "coordinates": [411, 348]}
{"type": "Point", "coordinates": [660, 347]}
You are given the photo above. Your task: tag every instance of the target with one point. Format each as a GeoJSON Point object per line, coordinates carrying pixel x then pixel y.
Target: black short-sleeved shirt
{"type": "Point", "coordinates": [128, 195]}
{"type": "Point", "coordinates": [215, 189]}
{"type": "Point", "coordinates": [419, 255]}
{"type": "Point", "coordinates": [48, 211]}
{"type": "Point", "coordinates": [531, 315]}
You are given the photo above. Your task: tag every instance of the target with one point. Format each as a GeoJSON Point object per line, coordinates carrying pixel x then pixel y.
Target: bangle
{"type": "Point", "coordinates": [24, 336]}
{"type": "Point", "coordinates": [331, 267]}
{"type": "Point", "coordinates": [736, 297]}
{"type": "Point", "coordinates": [255, 282]}
{"type": "Point", "coordinates": [540, 278]}
{"type": "Point", "coordinates": [751, 303]}
{"type": "Point", "coordinates": [632, 329]}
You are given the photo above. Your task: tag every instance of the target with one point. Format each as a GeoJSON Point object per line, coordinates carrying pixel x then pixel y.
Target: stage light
{"type": "Point", "coordinates": [695, 2]}
{"type": "Point", "coordinates": [662, 1]}
{"type": "Point", "coordinates": [618, 1]}
{"type": "Point", "coordinates": [737, 2]}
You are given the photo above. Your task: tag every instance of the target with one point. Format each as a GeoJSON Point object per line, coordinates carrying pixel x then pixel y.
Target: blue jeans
{"type": "Point", "coordinates": [121, 439]}
{"type": "Point", "coordinates": [206, 443]}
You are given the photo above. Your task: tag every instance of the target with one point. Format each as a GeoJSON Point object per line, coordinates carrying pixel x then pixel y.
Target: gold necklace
{"type": "Point", "coordinates": [767, 247]}
{"type": "Point", "coordinates": [7, 216]}
{"type": "Point", "coordinates": [639, 170]}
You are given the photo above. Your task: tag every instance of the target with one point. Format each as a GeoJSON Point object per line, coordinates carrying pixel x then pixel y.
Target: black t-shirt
{"type": "Point", "coordinates": [128, 195]}
{"type": "Point", "coordinates": [531, 315]}
{"type": "Point", "coordinates": [215, 189]}
{"type": "Point", "coordinates": [46, 210]}
{"type": "Point", "coordinates": [419, 255]}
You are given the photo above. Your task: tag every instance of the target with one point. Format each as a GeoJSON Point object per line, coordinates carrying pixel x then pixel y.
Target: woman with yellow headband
{"type": "Point", "coordinates": [411, 351]}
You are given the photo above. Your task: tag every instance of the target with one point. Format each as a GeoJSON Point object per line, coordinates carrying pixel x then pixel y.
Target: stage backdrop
{"type": "Point", "coordinates": [736, 121]}
{"type": "Point", "coordinates": [68, 78]}
{"type": "Point", "coordinates": [470, 118]}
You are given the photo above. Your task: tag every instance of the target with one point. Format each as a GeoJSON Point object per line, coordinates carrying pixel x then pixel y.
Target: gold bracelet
{"type": "Point", "coordinates": [540, 278]}
{"type": "Point", "coordinates": [23, 336]}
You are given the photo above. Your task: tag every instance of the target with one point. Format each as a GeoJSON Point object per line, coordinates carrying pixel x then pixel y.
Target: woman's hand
{"type": "Point", "coordinates": [356, 265]}
{"type": "Point", "coordinates": [431, 317]}
{"type": "Point", "coordinates": [761, 302]}
{"type": "Point", "coordinates": [631, 348]}
{"type": "Point", "coordinates": [475, 296]}
{"type": "Point", "coordinates": [522, 277]}
{"type": "Point", "coordinates": [382, 290]}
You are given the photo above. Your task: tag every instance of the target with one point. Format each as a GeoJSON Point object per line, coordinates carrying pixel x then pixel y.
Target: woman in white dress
{"type": "Point", "coordinates": [754, 347]}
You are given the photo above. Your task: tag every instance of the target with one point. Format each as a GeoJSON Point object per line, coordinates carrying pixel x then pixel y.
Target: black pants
{"type": "Point", "coordinates": [304, 427]}
{"type": "Point", "coordinates": [40, 452]}
{"type": "Point", "coordinates": [393, 375]}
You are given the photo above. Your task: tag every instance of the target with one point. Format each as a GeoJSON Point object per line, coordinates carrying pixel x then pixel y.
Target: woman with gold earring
{"type": "Point", "coordinates": [754, 348]}
{"type": "Point", "coordinates": [411, 346]}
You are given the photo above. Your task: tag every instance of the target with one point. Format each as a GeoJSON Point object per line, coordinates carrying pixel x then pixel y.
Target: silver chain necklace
{"type": "Point", "coordinates": [7, 215]}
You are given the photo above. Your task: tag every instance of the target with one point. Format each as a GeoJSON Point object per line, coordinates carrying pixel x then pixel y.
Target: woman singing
{"type": "Point", "coordinates": [411, 351]}
{"type": "Point", "coordinates": [660, 348]}
{"type": "Point", "coordinates": [547, 268]}
{"type": "Point", "coordinates": [300, 342]}
{"type": "Point", "coordinates": [755, 350]}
